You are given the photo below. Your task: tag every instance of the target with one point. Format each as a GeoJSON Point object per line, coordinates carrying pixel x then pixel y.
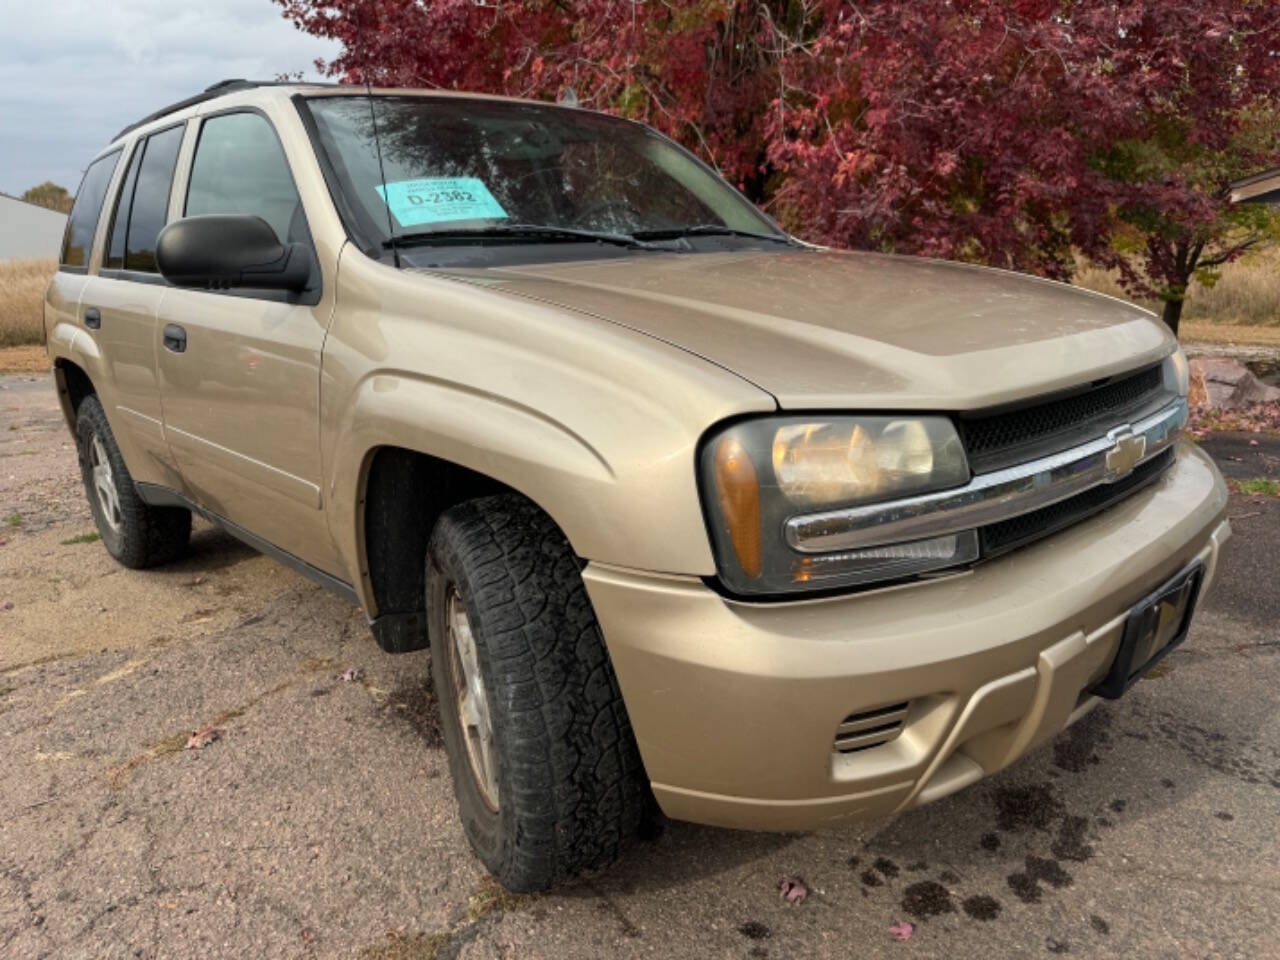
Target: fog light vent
{"type": "Point", "coordinates": [871, 728]}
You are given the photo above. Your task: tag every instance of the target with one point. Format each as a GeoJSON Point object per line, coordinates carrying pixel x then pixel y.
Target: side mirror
{"type": "Point", "coordinates": [220, 251]}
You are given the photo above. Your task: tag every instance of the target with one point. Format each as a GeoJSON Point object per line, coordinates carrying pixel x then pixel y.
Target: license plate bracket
{"type": "Point", "coordinates": [1153, 629]}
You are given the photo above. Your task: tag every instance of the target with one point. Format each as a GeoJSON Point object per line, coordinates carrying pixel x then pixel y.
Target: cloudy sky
{"type": "Point", "coordinates": [73, 72]}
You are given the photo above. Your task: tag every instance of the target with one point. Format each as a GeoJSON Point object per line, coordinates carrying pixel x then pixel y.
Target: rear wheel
{"type": "Point", "coordinates": [134, 533]}
{"type": "Point", "coordinates": [545, 768]}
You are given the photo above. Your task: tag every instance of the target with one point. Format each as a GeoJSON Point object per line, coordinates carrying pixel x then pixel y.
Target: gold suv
{"type": "Point", "coordinates": [686, 510]}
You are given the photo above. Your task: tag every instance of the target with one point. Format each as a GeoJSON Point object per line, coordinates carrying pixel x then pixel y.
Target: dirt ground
{"type": "Point", "coordinates": [321, 823]}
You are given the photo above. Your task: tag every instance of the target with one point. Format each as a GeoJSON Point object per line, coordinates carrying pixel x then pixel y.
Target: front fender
{"type": "Point", "coordinates": [595, 423]}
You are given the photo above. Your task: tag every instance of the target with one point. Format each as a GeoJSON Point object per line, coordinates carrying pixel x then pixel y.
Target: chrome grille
{"type": "Point", "coordinates": [871, 728]}
{"type": "Point", "coordinates": [997, 538]}
{"type": "Point", "coordinates": [997, 439]}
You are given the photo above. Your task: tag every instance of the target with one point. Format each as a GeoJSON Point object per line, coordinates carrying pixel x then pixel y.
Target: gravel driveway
{"type": "Point", "coordinates": [320, 822]}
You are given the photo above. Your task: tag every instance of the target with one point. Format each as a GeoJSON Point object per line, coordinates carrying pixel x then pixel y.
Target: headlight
{"type": "Point", "coordinates": [1177, 374]}
{"type": "Point", "coordinates": [758, 474]}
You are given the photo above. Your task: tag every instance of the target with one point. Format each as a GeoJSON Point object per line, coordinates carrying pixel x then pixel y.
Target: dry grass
{"type": "Point", "coordinates": [22, 286]}
{"type": "Point", "coordinates": [1247, 294]}
{"type": "Point", "coordinates": [1256, 487]}
{"type": "Point", "coordinates": [29, 359]}
{"type": "Point", "coordinates": [1241, 334]}
{"type": "Point", "coordinates": [407, 946]}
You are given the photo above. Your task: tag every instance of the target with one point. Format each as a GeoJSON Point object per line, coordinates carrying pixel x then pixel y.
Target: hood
{"type": "Point", "coordinates": [826, 329]}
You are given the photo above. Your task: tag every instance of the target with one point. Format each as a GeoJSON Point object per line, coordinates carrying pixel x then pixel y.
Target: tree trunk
{"type": "Point", "coordinates": [1173, 313]}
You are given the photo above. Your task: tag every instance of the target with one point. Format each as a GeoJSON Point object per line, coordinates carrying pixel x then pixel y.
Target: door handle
{"type": "Point", "coordinates": [92, 318]}
{"type": "Point", "coordinates": [175, 338]}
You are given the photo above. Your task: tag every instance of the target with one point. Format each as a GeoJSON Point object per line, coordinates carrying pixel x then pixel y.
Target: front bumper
{"type": "Point", "coordinates": [735, 705]}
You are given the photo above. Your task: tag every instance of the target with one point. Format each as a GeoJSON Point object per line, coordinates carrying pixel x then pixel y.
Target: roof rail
{"type": "Point", "coordinates": [216, 90]}
{"type": "Point", "coordinates": [209, 93]}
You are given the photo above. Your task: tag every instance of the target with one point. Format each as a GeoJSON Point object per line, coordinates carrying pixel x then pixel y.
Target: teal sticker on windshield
{"type": "Point", "coordinates": [440, 199]}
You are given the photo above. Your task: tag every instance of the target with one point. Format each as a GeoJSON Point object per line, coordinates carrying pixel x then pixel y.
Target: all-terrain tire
{"type": "Point", "coordinates": [136, 534]}
{"type": "Point", "coordinates": [571, 788]}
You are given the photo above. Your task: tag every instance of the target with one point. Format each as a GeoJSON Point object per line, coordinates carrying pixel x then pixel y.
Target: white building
{"type": "Point", "coordinates": [1260, 188]}
{"type": "Point", "coordinates": [28, 231]}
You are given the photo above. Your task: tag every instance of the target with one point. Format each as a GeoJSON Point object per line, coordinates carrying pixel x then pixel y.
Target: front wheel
{"type": "Point", "coordinates": [545, 768]}
{"type": "Point", "coordinates": [134, 533]}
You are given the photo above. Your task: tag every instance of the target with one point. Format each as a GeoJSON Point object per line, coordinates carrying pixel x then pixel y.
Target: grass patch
{"type": "Point", "coordinates": [13, 520]}
{"type": "Point", "coordinates": [1259, 486]}
{"type": "Point", "coordinates": [171, 744]}
{"type": "Point", "coordinates": [119, 775]}
{"type": "Point", "coordinates": [488, 899]}
{"type": "Point", "coordinates": [491, 896]}
{"type": "Point", "coordinates": [407, 946]}
{"type": "Point", "coordinates": [81, 538]}
{"type": "Point", "coordinates": [22, 286]}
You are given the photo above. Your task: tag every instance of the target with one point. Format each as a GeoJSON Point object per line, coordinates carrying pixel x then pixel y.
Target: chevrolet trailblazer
{"type": "Point", "coordinates": [687, 511]}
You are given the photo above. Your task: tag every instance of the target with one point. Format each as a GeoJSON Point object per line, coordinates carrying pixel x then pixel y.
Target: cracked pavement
{"type": "Point", "coordinates": [321, 823]}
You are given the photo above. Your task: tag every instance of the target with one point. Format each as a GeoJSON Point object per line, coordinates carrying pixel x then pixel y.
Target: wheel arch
{"type": "Point", "coordinates": [391, 541]}
{"type": "Point", "coordinates": [407, 440]}
{"type": "Point", "coordinates": [73, 384]}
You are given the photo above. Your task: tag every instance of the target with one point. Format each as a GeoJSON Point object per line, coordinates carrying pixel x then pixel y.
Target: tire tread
{"type": "Point", "coordinates": [149, 536]}
{"type": "Point", "coordinates": [564, 739]}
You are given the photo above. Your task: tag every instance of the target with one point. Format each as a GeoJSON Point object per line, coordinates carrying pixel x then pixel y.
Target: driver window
{"type": "Point", "coordinates": [240, 168]}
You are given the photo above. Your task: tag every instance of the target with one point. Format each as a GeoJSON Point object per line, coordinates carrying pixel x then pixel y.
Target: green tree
{"type": "Point", "coordinates": [1180, 227]}
{"type": "Point", "coordinates": [49, 195]}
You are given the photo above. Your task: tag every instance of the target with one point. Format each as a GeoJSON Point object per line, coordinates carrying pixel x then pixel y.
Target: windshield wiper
{"type": "Point", "coordinates": [709, 230]}
{"type": "Point", "coordinates": [537, 232]}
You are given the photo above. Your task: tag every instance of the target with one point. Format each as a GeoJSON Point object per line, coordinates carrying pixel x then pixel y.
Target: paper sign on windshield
{"type": "Point", "coordinates": [439, 199]}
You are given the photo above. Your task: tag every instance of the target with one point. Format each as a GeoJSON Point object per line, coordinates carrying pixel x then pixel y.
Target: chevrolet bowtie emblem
{"type": "Point", "coordinates": [1125, 453]}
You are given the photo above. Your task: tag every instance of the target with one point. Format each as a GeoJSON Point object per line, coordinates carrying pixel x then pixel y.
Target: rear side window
{"type": "Point", "coordinates": [240, 167]}
{"type": "Point", "coordinates": [83, 222]}
{"type": "Point", "coordinates": [114, 259]}
{"type": "Point", "coordinates": [143, 204]}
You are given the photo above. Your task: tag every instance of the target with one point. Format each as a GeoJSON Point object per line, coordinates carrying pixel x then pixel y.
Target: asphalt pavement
{"type": "Point", "coordinates": [320, 822]}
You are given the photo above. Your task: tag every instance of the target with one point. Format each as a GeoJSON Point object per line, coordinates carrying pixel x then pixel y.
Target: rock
{"type": "Point", "coordinates": [1219, 383]}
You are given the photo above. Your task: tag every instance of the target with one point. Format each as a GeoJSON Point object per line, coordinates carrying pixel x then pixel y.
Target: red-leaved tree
{"type": "Point", "coordinates": [1011, 132]}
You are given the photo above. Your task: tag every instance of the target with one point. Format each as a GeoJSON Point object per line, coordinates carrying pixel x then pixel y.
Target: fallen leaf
{"type": "Point", "coordinates": [351, 675]}
{"type": "Point", "coordinates": [793, 890]}
{"type": "Point", "coordinates": [202, 738]}
{"type": "Point", "coordinates": [902, 931]}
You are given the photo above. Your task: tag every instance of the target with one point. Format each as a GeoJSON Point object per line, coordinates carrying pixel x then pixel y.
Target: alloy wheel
{"type": "Point", "coordinates": [104, 484]}
{"type": "Point", "coordinates": [471, 700]}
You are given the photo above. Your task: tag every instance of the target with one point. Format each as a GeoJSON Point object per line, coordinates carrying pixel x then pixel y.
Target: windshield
{"type": "Point", "coordinates": [463, 167]}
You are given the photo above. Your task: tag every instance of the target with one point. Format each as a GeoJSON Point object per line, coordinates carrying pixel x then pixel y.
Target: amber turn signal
{"type": "Point", "coordinates": [738, 491]}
